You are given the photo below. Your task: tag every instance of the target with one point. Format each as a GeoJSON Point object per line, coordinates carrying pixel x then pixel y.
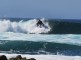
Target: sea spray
{"type": "Point", "coordinates": [23, 26]}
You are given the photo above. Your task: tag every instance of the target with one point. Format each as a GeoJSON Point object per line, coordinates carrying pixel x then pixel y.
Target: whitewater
{"type": "Point", "coordinates": [23, 26]}
{"type": "Point", "coordinates": [73, 39]}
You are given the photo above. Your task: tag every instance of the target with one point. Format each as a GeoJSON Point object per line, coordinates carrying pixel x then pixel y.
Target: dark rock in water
{"type": "Point", "coordinates": [16, 58]}
{"type": "Point", "coordinates": [12, 59]}
{"type": "Point", "coordinates": [31, 59]}
{"type": "Point", "coordinates": [24, 58]}
{"type": "Point", "coordinates": [3, 57]}
{"type": "Point", "coordinates": [20, 58]}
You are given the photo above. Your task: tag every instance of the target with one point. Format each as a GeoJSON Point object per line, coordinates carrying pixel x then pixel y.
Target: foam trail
{"type": "Point", "coordinates": [23, 27]}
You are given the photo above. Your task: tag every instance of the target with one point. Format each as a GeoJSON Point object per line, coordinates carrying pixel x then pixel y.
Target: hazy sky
{"type": "Point", "coordinates": [65, 9]}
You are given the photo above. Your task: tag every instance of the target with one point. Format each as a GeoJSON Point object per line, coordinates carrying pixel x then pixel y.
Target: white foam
{"type": "Point", "coordinates": [72, 39]}
{"type": "Point", "coordinates": [45, 57]}
{"type": "Point", "coordinates": [23, 27]}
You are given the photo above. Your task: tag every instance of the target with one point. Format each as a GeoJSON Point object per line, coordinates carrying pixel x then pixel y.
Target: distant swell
{"type": "Point", "coordinates": [65, 27]}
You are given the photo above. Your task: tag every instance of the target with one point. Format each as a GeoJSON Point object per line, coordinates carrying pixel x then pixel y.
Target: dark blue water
{"type": "Point", "coordinates": [29, 47]}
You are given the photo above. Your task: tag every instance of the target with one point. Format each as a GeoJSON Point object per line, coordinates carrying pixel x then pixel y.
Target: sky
{"type": "Point", "coordinates": [58, 9]}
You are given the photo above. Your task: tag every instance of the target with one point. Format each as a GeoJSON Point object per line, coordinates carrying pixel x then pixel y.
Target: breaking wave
{"type": "Point", "coordinates": [23, 26]}
{"type": "Point", "coordinates": [58, 26]}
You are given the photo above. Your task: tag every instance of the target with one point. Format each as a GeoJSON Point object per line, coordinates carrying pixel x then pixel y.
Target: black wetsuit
{"type": "Point", "coordinates": [40, 23]}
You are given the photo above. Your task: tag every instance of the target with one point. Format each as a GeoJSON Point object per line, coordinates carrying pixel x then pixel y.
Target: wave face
{"type": "Point", "coordinates": [58, 26]}
{"type": "Point", "coordinates": [65, 27]}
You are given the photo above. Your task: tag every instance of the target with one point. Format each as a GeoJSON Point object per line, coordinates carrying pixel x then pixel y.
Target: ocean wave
{"type": "Point", "coordinates": [58, 26]}
{"type": "Point", "coordinates": [73, 39]}
{"type": "Point", "coordinates": [29, 47]}
{"type": "Point", "coordinates": [23, 26]}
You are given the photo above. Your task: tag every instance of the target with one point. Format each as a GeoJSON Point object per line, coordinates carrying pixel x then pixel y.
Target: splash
{"type": "Point", "coordinates": [23, 26]}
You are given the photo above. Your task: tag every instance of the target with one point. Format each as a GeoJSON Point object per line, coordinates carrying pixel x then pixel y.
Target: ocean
{"type": "Point", "coordinates": [59, 39]}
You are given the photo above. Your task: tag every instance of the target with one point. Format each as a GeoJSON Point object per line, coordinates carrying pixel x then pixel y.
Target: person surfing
{"type": "Point", "coordinates": [40, 23]}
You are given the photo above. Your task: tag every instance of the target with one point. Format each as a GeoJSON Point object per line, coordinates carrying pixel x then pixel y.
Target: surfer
{"type": "Point", "coordinates": [40, 23]}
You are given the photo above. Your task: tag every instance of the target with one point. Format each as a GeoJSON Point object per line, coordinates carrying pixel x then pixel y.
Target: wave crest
{"type": "Point", "coordinates": [23, 26]}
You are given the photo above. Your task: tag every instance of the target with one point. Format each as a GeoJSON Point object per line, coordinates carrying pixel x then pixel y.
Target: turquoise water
{"type": "Point", "coordinates": [67, 44]}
